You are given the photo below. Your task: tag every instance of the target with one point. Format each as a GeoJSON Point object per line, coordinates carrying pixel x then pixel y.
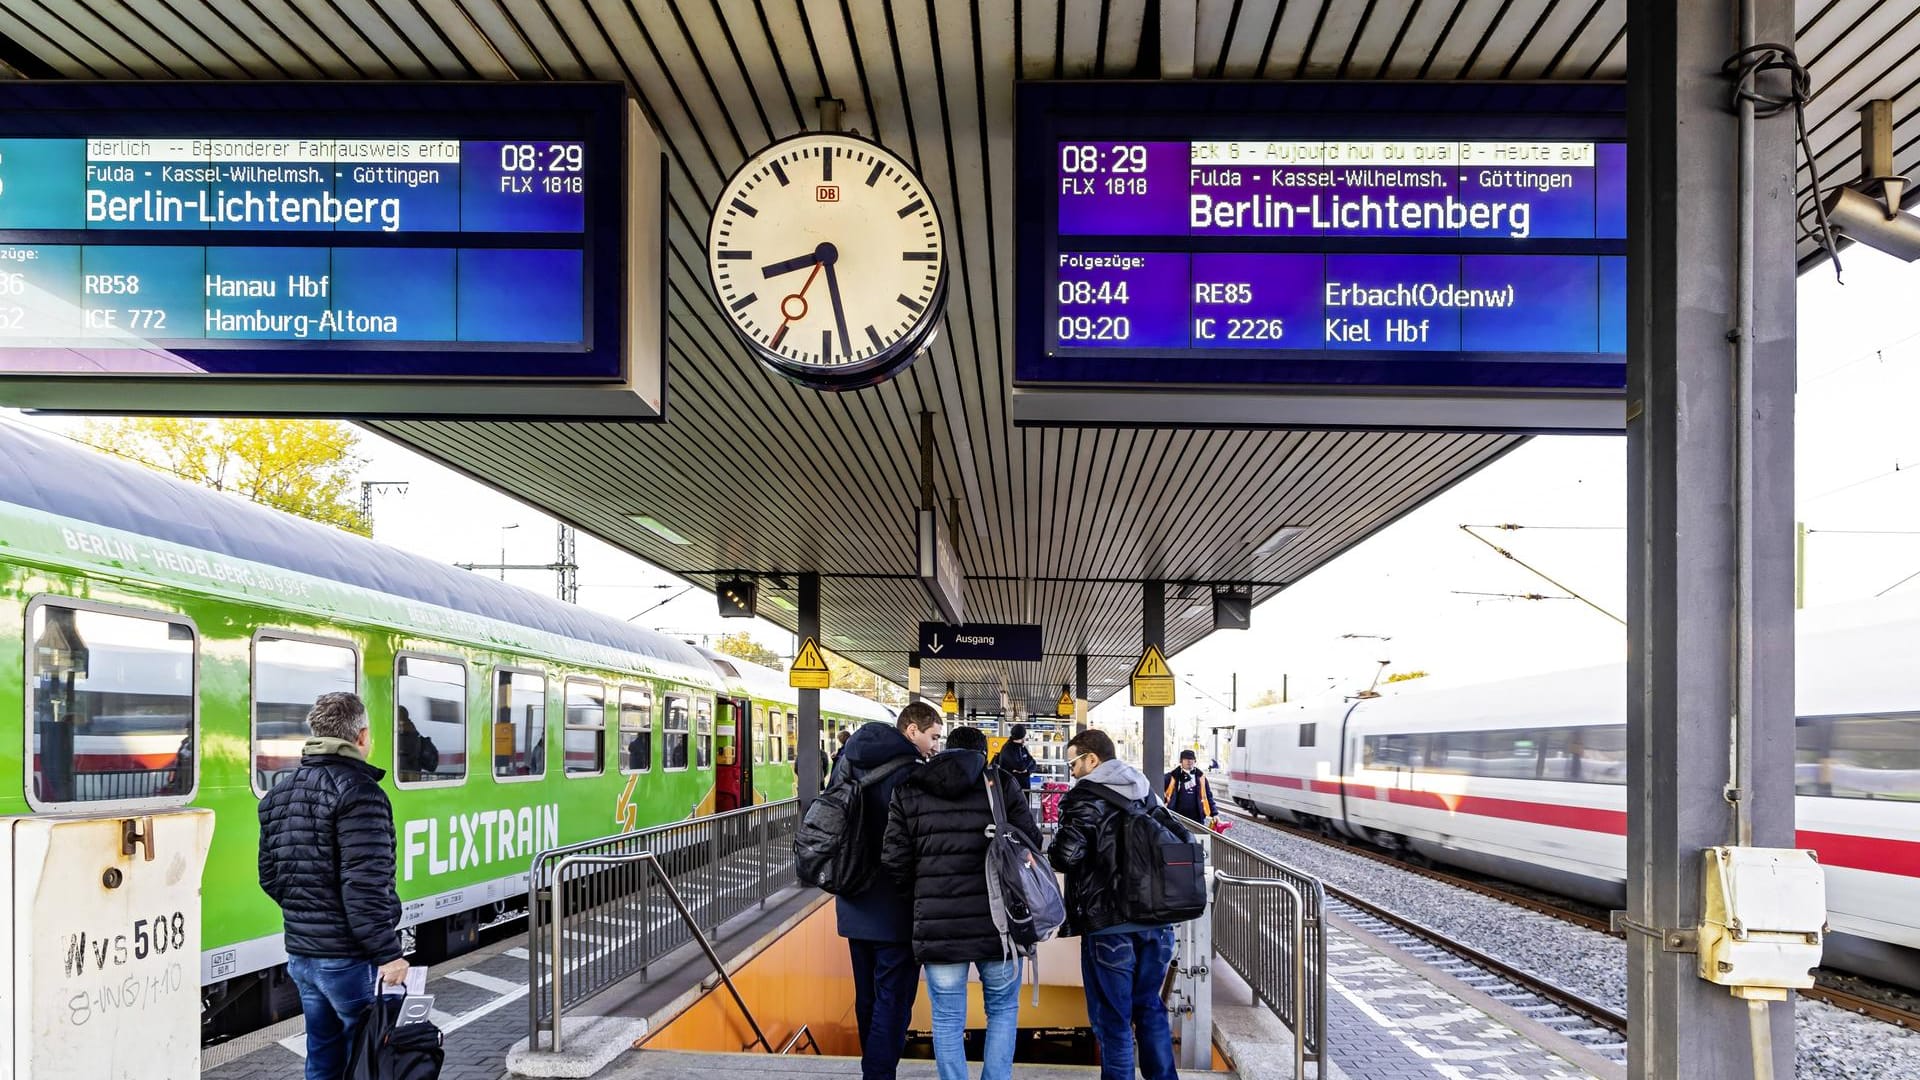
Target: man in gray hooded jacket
{"type": "Point", "coordinates": [1121, 963]}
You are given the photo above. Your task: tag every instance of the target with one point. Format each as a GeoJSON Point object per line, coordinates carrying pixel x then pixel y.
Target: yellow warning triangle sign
{"type": "Point", "coordinates": [1065, 705]}
{"type": "Point", "coordinates": [809, 670]}
{"type": "Point", "coordinates": [1152, 665]}
{"type": "Point", "coordinates": [949, 704]}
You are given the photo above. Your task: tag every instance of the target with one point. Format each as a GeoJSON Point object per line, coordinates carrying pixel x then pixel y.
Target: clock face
{"type": "Point", "coordinates": [827, 257]}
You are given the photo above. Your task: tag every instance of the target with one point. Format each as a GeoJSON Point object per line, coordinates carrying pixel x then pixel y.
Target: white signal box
{"type": "Point", "coordinates": [103, 945]}
{"type": "Point", "coordinates": [1764, 921]}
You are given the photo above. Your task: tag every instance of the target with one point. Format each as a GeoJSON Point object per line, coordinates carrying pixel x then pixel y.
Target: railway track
{"type": "Point", "coordinates": [1590, 1023]}
{"type": "Point", "coordinates": [1851, 1001]}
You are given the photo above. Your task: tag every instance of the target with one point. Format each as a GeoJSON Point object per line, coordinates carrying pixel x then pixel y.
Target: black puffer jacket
{"type": "Point", "coordinates": [326, 857]}
{"type": "Point", "coordinates": [1087, 846]}
{"type": "Point", "coordinates": [936, 849]}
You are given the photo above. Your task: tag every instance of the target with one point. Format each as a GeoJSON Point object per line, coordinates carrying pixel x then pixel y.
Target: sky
{"type": "Point", "coordinates": [1422, 595]}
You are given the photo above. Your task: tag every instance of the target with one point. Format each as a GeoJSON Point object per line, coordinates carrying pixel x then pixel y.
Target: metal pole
{"type": "Point", "coordinates": [913, 677]}
{"type": "Point", "coordinates": [1079, 693]}
{"type": "Point", "coordinates": [1710, 463]}
{"type": "Point", "coordinates": [1799, 565]}
{"type": "Point", "coordinates": [806, 756]}
{"type": "Point", "coordinates": [559, 940]}
{"type": "Point", "coordinates": [1153, 718]}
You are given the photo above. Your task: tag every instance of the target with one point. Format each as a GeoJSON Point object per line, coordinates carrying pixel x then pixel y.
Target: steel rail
{"type": "Point", "coordinates": [1600, 1014]}
{"type": "Point", "coordinates": [1852, 1001]}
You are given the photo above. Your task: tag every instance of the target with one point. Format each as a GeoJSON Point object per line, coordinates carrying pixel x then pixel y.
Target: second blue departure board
{"type": "Point", "coordinates": [1338, 235]}
{"type": "Point", "coordinates": [351, 231]}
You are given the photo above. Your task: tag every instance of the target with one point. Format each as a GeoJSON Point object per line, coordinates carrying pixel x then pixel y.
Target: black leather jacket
{"type": "Point", "coordinates": [326, 857]}
{"type": "Point", "coordinates": [1086, 850]}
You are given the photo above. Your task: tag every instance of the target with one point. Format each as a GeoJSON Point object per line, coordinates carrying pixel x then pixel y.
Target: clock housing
{"type": "Point", "coordinates": [828, 258]}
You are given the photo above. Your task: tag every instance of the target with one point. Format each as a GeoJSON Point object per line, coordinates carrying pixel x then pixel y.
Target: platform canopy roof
{"type": "Point", "coordinates": [1057, 524]}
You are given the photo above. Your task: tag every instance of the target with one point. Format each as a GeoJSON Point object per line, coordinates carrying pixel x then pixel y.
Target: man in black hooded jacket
{"type": "Point", "coordinates": [877, 921]}
{"type": "Point", "coordinates": [936, 848]}
{"type": "Point", "coordinates": [326, 857]}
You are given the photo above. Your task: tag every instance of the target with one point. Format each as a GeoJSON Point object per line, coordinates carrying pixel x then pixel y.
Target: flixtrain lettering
{"type": "Point", "coordinates": [435, 846]}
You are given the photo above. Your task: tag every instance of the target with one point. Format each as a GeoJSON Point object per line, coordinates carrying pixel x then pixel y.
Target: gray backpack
{"type": "Point", "coordinates": [1022, 892]}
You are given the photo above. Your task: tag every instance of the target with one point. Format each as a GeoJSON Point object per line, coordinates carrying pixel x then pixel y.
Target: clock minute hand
{"type": "Point", "coordinates": [788, 266]}
{"type": "Point", "coordinates": [839, 312]}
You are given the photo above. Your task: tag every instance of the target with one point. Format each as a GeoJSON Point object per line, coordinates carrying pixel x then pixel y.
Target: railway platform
{"type": "Point", "coordinates": [1389, 1013]}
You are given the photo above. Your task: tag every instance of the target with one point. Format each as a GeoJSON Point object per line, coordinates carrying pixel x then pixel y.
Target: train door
{"type": "Point", "coordinates": [733, 782]}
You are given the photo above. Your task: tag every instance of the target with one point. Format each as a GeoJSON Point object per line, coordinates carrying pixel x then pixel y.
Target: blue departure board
{"type": "Point", "coordinates": [370, 230]}
{"type": "Point", "coordinates": [1327, 235]}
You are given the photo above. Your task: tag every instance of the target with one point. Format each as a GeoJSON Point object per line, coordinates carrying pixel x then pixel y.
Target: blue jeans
{"type": "Point", "coordinates": [886, 979]}
{"type": "Point", "coordinates": [334, 995]}
{"type": "Point", "coordinates": [1123, 973]}
{"type": "Point", "coordinates": [1000, 993]}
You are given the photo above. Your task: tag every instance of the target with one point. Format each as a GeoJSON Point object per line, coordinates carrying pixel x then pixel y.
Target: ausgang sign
{"type": "Point", "coordinates": [979, 641]}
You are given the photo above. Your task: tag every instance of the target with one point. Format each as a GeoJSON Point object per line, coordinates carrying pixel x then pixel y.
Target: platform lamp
{"type": "Point", "coordinates": [1232, 608]}
{"type": "Point", "coordinates": [736, 596]}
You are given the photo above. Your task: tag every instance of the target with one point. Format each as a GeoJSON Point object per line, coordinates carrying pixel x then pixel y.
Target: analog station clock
{"type": "Point", "coordinates": [827, 257]}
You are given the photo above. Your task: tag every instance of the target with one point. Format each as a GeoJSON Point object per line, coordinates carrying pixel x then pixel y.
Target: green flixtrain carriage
{"type": "Point", "coordinates": [160, 645]}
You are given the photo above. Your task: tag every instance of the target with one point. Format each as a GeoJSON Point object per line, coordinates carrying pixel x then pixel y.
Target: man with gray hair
{"type": "Point", "coordinates": [326, 857]}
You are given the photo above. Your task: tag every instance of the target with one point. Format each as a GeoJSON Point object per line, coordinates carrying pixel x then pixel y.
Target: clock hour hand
{"type": "Point", "coordinates": [798, 262]}
{"type": "Point", "coordinates": [839, 313]}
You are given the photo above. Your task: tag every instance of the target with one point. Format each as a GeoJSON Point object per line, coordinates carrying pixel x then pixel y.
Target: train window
{"type": "Point", "coordinates": [519, 725]}
{"type": "Point", "coordinates": [429, 721]}
{"type": "Point", "coordinates": [1600, 754]}
{"type": "Point", "coordinates": [776, 737]}
{"type": "Point", "coordinates": [703, 741]}
{"type": "Point", "coordinates": [636, 729]}
{"type": "Point", "coordinates": [1556, 753]}
{"type": "Point", "coordinates": [289, 674]}
{"type": "Point", "coordinates": [793, 736]}
{"type": "Point", "coordinates": [1240, 737]}
{"type": "Point", "coordinates": [584, 744]}
{"type": "Point", "coordinates": [1869, 757]}
{"type": "Point", "coordinates": [1504, 754]}
{"type": "Point", "coordinates": [1390, 752]}
{"type": "Point", "coordinates": [759, 734]}
{"type": "Point", "coordinates": [674, 741]}
{"type": "Point", "coordinates": [111, 704]}
{"type": "Point", "coordinates": [1308, 733]}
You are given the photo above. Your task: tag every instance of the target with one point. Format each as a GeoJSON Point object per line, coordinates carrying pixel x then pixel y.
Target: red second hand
{"type": "Point", "coordinates": [801, 296]}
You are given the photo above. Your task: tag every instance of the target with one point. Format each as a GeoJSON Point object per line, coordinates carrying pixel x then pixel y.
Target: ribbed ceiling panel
{"type": "Point", "coordinates": [1055, 523]}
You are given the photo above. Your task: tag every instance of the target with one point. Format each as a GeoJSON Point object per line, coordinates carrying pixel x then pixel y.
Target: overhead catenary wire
{"type": "Point", "coordinates": [1537, 572]}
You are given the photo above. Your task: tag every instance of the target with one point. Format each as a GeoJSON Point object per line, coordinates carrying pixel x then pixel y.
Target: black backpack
{"type": "Point", "coordinates": [831, 848]}
{"type": "Point", "coordinates": [1163, 868]}
{"type": "Point", "coordinates": [386, 1049]}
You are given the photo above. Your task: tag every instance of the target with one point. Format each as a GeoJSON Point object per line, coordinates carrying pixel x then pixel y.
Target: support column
{"type": "Point", "coordinates": [1153, 718]}
{"type": "Point", "coordinates": [1080, 693]}
{"type": "Point", "coordinates": [1710, 521]}
{"type": "Point", "coordinates": [913, 677]}
{"type": "Point", "coordinates": [806, 757]}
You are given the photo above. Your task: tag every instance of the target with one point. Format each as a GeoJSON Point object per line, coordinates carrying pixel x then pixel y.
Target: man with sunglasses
{"type": "Point", "coordinates": [1122, 963]}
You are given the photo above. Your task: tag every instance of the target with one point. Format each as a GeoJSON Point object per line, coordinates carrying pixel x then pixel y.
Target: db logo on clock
{"type": "Point", "coordinates": [826, 193]}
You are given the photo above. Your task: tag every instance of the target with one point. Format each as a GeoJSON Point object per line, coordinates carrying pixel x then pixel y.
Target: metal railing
{"type": "Point", "coordinates": [603, 910]}
{"type": "Point", "coordinates": [1269, 925]}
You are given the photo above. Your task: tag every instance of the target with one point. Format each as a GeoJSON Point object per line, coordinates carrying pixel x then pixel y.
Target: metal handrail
{"type": "Point", "coordinates": [1236, 944]}
{"type": "Point", "coordinates": [673, 895]}
{"type": "Point", "coordinates": [805, 1032]}
{"type": "Point", "coordinates": [1299, 1024]}
{"type": "Point", "coordinates": [606, 922]}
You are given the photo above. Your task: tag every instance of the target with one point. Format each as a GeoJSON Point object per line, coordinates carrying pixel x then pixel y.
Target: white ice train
{"type": "Point", "coordinates": [1526, 779]}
